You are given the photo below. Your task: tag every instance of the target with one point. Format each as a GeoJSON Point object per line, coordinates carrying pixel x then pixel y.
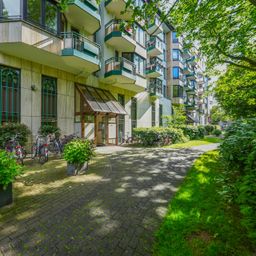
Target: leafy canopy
{"type": "Point", "coordinates": [236, 92]}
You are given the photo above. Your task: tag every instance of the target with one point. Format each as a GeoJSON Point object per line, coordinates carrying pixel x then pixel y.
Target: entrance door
{"type": "Point", "coordinates": [102, 130]}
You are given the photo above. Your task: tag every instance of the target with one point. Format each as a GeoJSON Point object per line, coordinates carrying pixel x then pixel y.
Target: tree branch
{"type": "Point", "coordinates": [239, 65]}
{"type": "Point", "coordinates": [253, 2]}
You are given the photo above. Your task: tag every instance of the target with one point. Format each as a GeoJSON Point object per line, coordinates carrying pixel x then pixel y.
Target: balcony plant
{"type": "Point", "coordinates": [78, 153]}
{"type": "Point", "coordinates": [9, 169]}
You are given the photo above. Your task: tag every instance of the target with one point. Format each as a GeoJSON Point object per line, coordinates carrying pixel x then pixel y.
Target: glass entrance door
{"type": "Point", "coordinates": [102, 130]}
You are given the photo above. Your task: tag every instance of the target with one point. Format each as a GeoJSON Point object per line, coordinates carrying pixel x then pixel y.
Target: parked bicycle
{"type": "Point", "coordinates": [40, 149]}
{"type": "Point", "coordinates": [55, 144]}
{"type": "Point", "coordinates": [13, 146]}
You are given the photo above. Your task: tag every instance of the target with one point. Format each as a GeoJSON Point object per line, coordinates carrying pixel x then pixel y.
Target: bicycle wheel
{"type": "Point", "coordinates": [33, 151]}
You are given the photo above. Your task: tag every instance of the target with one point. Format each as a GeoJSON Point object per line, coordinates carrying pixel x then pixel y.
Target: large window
{"type": "Point", "coordinates": [10, 8]}
{"type": "Point", "coordinates": [176, 72]}
{"type": "Point", "coordinates": [44, 13]}
{"type": "Point", "coordinates": [9, 94]}
{"type": "Point", "coordinates": [140, 64]}
{"type": "Point", "coordinates": [175, 54]}
{"type": "Point", "coordinates": [174, 37]}
{"type": "Point", "coordinates": [177, 91]}
{"type": "Point", "coordinates": [153, 119]}
{"type": "Point", "coordinates": [140, 35]}
{"type": "Point", "coordinates": [133, 113]}
{"type": "Point", "coordinates": [49, 101]}
{"type": "Point", "coordinates": [160, 115]}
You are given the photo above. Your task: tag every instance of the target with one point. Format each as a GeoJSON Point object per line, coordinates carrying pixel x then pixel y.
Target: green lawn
{"type": "Point", "coordinates": [199, 222]}
{"type": "Point", "coordinates": [192, 143]}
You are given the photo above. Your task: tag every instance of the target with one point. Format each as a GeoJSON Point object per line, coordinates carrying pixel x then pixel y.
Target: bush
{"type": "Point", "coordinates": [9, 169]}
{"type": "Point", "coordinates": [158, 135]}
{"type": "Point", "coordinates": [238, 152]}
{"type": "Point", "coordinates": [49, 129]}
{"type": "Point", "coordinates": [78, 151]}
{"type": "Point", "coordinates": [209, 129]}
{"type": "Point", "coordinates": [8, 131]}
{"type": "Point", "coordinates": [192, 132]}
{"type": "Point", "coordinates": [216, 132]}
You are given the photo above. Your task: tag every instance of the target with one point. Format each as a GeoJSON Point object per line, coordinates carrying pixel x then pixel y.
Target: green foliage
{"type": "Point", "coordinates": [209, 129]}
{"type": "Point", "coordinates": [178, 117]}
{"type": "Point", "coordinates": [216, 132]}
{"type": "Point", "coordinates": [78, 151]}
{"type": "Point", "coordinates": [9, 130]}
{"type": "Point", "coordinates": [199, 221]}
{"type": "Point", "coordinates": [49, 129]}
{"type": "Point", "coordinates": [236, 92]}
{"type": "Point", "coordinates": [9, 169]}
{"type": "Point", "coordinates": [217, 114]}
{"type": "Point", "coordinates": [158, 136]}
{"type": "Point", "coordinates": [239, 154]}
{"type": "Point", "coordinates": [192, 132]}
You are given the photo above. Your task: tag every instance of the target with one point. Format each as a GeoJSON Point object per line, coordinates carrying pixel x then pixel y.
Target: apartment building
{"type": "Point", "coordinates": [79, 70]}
{"type": "Point", "coordinates": [188, 81]}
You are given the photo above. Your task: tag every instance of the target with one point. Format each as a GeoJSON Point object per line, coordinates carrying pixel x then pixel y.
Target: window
{"type": "Point", "coordinates": [140, 36]}
{"type": "Point", "coordinates": [49, 101]}
{"type": "Point", "coordinates": [121, 120]}
{"type": "Point", "coordinates": [164, 91]}
{"type": "Point", "coordinates": [177, 91]}
{"type": "Point", "coordinates": [134, 112]}
{"type": "Point", "coordinates": [174, 37]}
{"type": "Point", "coordinates": [164, 55]}
{"type": "Point", "coordinates": [121, 99]}
{"type": "Point", "coordinates": [140, 64]}
{"type": "Point", "coordinates": [153, 107]}
{"type": "Point", "coordinates": [176, 72]}
{"type": "Point", "coordinates": [175, 54]}
{"type": "Point", "coordinates": [10, 8]}
{"type": "Point", "coordinates": [51, 16]}
{"type": "Point", "coordinates": [9, 94]}
{"type": "Point", "coordinates": [160, 115]}
{"type": "Point", "coordinates": [44, 13]}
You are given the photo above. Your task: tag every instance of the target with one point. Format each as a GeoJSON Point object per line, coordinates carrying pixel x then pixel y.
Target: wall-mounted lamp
{"type": "Point", "coordinates": [33, 87]}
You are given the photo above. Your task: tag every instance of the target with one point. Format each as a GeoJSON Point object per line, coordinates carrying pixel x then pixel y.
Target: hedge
{"type": "Point", "coordinates": [157, 136]}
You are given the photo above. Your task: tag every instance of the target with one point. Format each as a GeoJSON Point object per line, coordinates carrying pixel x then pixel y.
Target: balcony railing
{"type": "Point", "coordinates": [120, 64]}
{"type": "Point", "coordinates": [118, 26]}
{"type": "Point", "coordinates": [90, 3]}
{"type": "Point", "coordinates": [73, 40]}
{"type": "Point", "coordinates": [154, 42]}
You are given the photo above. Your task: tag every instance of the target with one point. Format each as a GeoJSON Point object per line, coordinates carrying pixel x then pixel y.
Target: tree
{"type": "Point", "coordinates": [217, 115]}
{"type": "Point", "coordinates": [178, 117]}
{"type": "Point", "coordinates": [224, 30]}
{"type": "Point", "coordinates": [236, 92]}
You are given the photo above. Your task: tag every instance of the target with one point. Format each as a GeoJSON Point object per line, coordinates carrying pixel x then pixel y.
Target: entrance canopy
{"type": "Point", "coordinates": [100, 100]}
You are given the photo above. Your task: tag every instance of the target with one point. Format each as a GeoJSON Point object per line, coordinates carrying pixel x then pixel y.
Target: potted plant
{"type": "Point", "coordinates": [9, 169]}
{"type": "Point", "coordinates": [77, 153]}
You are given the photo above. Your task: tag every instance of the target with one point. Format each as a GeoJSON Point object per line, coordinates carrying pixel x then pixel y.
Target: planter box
{"type": "Point", "coordinates": [6, 195]}
{"type": "Point", "coordinates": [74, 169]}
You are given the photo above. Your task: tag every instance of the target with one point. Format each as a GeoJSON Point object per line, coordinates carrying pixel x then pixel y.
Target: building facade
{"type": "Point", "coordinates": [85, 70]}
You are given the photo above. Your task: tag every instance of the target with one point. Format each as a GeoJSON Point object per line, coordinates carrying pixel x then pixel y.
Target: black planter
{"type": "Point", "coordinates": [5, 195]}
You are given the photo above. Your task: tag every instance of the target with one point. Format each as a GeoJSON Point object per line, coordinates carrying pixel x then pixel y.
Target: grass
{"type": "Point", "coordinates": [192, 143]}
{"type": "Point", "coordinates": [199, 222]}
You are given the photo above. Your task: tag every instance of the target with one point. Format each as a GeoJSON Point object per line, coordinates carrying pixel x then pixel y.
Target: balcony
{"type": "Point", "coordinates": [177, 100]}
{"type": "Point", "coordinates": [187, 70]}
{"type": "Point", "coordinates": [190, 105]}
{"type": "Point", "coordinates": [155, 87]}
{"type": "Point", "coordinates": [186, 54]}
{"type": "Point", "coordinates": [154, 68]}
{"type": "Point", "coordinates": [119, 71]}
{"type": "Point", "coordinates": [154, 46]}
{"type": "Point", "coordinates": [120, 40]}
{"type": "Point", "coordinates": [116, 7]}
{"type": "Point", "coordinates": [191, 76]}
{"type": "Point", "coordinates": [155, 27]}
{"type": "Point", "coordinates": [192, 61]}
{"type": "Point", "coordinates": [84, 14]}
{"type": "Point", "coordinates": [79, 51]}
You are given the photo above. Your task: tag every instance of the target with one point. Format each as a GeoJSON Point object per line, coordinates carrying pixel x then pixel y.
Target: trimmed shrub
{"type": "Point", "coordinates": [192, 132]}
{"type": "Point", "coordinates": [216, 132]}
{"type": "Point", "coordinates": [158, 136]}
{"type": "Point", "coordinates": [9, 130]}
{"type": "Point", "coordinates": [209, 129]}
{"type": "Point", "coordinates": [78, 151]}
{"type": "Point", "coordinates": [9, 168]}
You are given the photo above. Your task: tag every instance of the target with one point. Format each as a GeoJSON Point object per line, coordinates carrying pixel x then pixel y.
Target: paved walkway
{"type": "Point", "coordinates": [115, 213]}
